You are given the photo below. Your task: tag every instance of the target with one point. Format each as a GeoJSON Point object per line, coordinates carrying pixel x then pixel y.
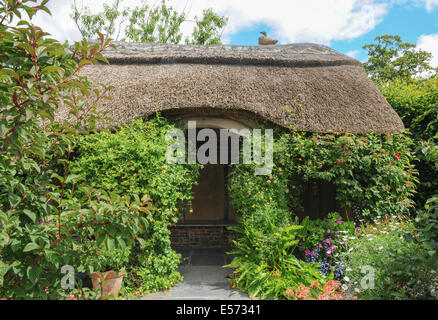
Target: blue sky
{"type": "Point", "coordinates": [344, 25]}
{"type": "Point", "coordinates": [409, 20]}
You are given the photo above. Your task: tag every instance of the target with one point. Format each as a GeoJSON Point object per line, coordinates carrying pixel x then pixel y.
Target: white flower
{"type": "Point", "coordinates": [348, 269]}
{"type": "Point", "coordinates": [357, 290]}
{"type": "Point", "coordinates": [347, 279]}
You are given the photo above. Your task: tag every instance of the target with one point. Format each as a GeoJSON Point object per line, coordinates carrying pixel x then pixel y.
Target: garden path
{"type": "Point", "coordinates": [204, 278]}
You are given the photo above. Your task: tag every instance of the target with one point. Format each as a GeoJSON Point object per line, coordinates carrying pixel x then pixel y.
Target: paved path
{"type": "Point", "coordinates": [204, 278]}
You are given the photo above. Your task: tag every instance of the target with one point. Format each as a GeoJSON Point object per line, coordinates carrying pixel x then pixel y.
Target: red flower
{"type": "Point", "coordinates": [397, 156]}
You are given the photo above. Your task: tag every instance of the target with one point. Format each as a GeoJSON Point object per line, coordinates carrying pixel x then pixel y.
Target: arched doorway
{"type": "Point", "coordinates": [205, 224]}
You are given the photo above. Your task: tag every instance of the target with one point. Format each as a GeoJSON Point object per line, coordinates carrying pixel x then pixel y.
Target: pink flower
{"type": "Point", "coordinates": [307, 252]}
{"type": "Point", "coordinates": [336, 235]}
{"type": "Point", "coordinates": [328, 230]}
{"type": "Point", "coordinates": [357, 228]}
{"type": "Point", "coordinates": [43, 223]}
{"type": "Point", "coordinates": [339, 221]}
{"type": "Point", "coordinates": [328, 240]}
{"type": "Point", "coordinates": [319, 245]}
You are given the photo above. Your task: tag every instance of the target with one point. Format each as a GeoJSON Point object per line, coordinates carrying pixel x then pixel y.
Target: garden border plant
{"type": "Point", "coordinates": [45, 226]}
{"type": "Point", "coordinates": [371, 171]}
{"type": "Point", "coordinates": [132, 161]}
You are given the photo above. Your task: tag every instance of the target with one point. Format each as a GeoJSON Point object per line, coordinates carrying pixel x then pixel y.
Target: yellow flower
{"type": "Point", "coordinates": [253, 205]}
{"type": "Point", "coordinates": [299, 159]}
{"type": "Point", "coordinates": [262, 197]}
{"type": "Point", "coordinates": [191, 210]}
{"type": "Point", "coordinates": [246, 256]}
{"type": "Point", "coordinates": [270, 198]}
{"type": "Point", "coordinates": [311, 149]}
{"type": "Point", "coordinates": [176, 209]}
{"type": "Point", "coordinates": [277, 234]}
{"type": "Point", "coordinates": [287, 154]}
{"type": "Point", "coordinates": [310, 162]}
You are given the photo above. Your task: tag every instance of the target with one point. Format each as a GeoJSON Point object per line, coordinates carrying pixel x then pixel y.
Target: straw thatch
{"type": "Point", "coordinates": [310, 87]}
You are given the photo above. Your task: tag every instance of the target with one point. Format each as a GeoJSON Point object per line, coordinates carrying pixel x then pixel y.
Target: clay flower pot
{"type": "Point", "coordinates": [109, 282]}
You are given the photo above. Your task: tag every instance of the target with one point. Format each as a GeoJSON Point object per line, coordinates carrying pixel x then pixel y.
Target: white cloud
{"type": "Point", "coordinates": [431, 4]}
{"type": "Point", "coordinates": [429, 43]}
{"type": "Point", "coordinates": [352, 53]}
{"type": "Point", "coordinates": [319, 21]}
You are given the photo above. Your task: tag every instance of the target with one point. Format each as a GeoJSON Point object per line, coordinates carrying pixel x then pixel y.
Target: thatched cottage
{"type": "Point", "coordinates": [310, 87]}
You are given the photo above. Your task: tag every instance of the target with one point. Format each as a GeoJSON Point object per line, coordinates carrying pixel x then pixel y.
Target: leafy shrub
{"type": "Point", "coordinates": [397, 267]}
{"type": "Point", "coordinates": [371, 171]}
{"type": "Point", "coordinates": [265, 265]}
{"type": "Point", "coordinates": [44, 225]}
{"type": "Point", "coordinates": [323, 240]}
{"type": "Point", "coordinates": [103, 259]}
{"type": "Point", "coordinates": [132, 161]}
{"type": "Point", "coordinates": [417, 104]}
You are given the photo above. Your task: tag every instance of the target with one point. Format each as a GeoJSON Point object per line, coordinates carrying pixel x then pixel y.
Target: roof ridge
{"type": "Point", "coordinates": [289, 55]}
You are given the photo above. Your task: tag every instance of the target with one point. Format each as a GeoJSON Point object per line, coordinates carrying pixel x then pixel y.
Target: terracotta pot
{"type": "Point", "coordinates": [109, 282]}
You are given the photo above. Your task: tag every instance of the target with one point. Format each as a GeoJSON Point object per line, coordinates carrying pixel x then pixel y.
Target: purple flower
{"type": "Point", "coordinates": [336, 235]}
{"type": "Point", "coordinates": [307, 252]}
{"type": "Point", "coordinates": [357, 228]}
{"type": "Point", "coordinates": [328, 240]}
{"type": "Point", "coordinates": [319, 245]}
{"type": "Point", "coordinates": [301, 243]}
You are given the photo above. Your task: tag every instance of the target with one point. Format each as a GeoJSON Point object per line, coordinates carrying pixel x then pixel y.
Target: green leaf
{"type": "Point", "coordinates": [30, 247]}
{"type": "Point", "coordinates": [30, 214]}
{"type": "Point", "coordinates": [33, 273]}
{"type": "Point", "coordinates": [14, 200]}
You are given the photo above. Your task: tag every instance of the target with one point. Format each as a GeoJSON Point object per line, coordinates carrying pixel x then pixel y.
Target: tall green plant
{"type": "Point", "coordinates": [132, 161]}
{"type": "Point", "coordinates": [44, 225]}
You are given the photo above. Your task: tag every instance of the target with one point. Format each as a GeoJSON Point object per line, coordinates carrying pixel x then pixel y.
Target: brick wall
{"type": "Point", "coordinates": [201, 237]}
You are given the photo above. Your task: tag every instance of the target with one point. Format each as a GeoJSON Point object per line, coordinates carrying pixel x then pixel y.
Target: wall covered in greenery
{"type": "Point", "coordinates": [132, 162]}
{"type": "Point", "coordinates": [370, 171]}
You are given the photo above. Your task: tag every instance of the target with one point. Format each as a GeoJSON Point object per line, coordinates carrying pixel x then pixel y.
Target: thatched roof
{"type": "Point", "coordinates": [307, 86]}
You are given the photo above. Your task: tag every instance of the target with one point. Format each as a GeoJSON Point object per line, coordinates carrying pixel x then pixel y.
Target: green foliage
{"type": "Point", "coordinates": [102, 259]}
{"type": "Point", "coordinates": [389, 58]}
{"type": "Point", "coordinates": [370, 171]}
{"type": "Point", "coordinates": [324, 240]}
{"type": "Point", "coordinates": [417, 104]}
{"type": "Point", "coordinates": [148, 23]}
{"type": "Point", "coordinates": [132, 161]}
{"type": "Point", "coordinates": [264, 264]}
{"type": "Point", "coordinates": [398, 268]}
{"type": "Point", "coordinates": [208, 29]}
{"type": "Point", "coordinates": [315, 232]}
{"type": "Point", "coordinates": [153, 272]}
{"type": "Point", "coordinates": [90, 24]}
{"type": "Point", "coordinates": [44, 225]}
